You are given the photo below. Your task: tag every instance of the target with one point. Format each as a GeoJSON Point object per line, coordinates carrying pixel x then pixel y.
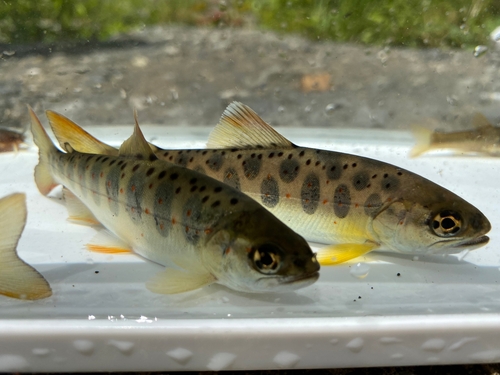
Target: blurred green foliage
{"type": "Point", "coordinates": [418, 23]}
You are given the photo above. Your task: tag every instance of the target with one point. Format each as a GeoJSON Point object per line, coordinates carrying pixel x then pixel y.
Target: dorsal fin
{"type": "Point", "coordinates": [68, 132]}
{"type": "Point", "coordinates": [241, 127]}
{"type": "Point", "coordinates": [136, 146]}
{"type": "Point", "coordinates": [480, 121]}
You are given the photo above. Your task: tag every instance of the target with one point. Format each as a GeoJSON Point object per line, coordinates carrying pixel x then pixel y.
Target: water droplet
{"type": "Point", "coordinates": [355, 345]}
{"type": "Point", "coordinates": [460, 343]}
{"type": "Point", "coordinates": [390, 340]}
{"type": "Point", "coordinates": [480, 50]}
{"type": "Point", "coordinates": [85, 347]}
{"type": "Point", "coordinates": [307, 109]}
{"type": "Point", "coordinates": [221, 361]}
{"type": "Point", "coordinates": [180, 355]}
{"type": "Point", "coordinates": [91, 317]}
{"type": "Point", "coordinates": [286, 359]}
{"type": "Point", "coordinates": [124, 347]}
{"type": "Point", "coordinates": [433, 345]}
{"type": "Point", "coordinates": [41, 352]}
{"type": "Point", "coordinates": [281, 109]}
{"type": "Point", "coordinates": [360, 270]}
{"type": "Point", "coordinates": [397, 356]}
{"type": "Point", "coordinates": [12, 363]}
{"type": "Point", "coordinates": [225, 299]}
{"type": "Point", "coordinates": [334, 341]}
{"type": "Point", "coordinates": [9, 53]}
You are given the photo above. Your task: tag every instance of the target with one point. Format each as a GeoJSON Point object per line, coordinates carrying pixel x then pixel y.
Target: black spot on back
{"type": "Point", "coordinates": [333, 169]}
{"type": "Point", "coordinates": [360, 180]}
{"type": "Point", "coordinates": [215, 161]}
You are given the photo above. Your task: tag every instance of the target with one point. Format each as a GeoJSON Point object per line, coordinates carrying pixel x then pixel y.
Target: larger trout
{"type": "Point", "coordinates": [201, 229]}
{"type": "Point", "coordinates": [356, 203]}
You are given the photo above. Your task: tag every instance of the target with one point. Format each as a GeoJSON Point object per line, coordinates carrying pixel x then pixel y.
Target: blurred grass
{"type": "Point", "coordinates": [415, 23]}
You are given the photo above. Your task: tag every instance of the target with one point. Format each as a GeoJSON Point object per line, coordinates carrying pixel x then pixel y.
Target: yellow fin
{"type": "Point", "coordinates": [423, 138]}
{"type": "Point", "coordinates": [68, 132]}
{"type": "Point", "coordinates": [136, 146]}
{"type": "Point", "coordinates": [340, 253]}
{"type": "Point", "coordinates": [78, 212]}
{"type": "Point", "coordinates": [104, 242]}
{"type": "Point", "coordinates": [44, 180]}
{"type": "Point", "coordinates": [241, 127]}
{"type": "Point", "coordinates": [173, 281]}
{"type": "Point", "coordinates": [17, 279]}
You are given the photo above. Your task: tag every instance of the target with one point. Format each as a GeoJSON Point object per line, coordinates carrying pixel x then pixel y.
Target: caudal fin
{"type": "Point", "coordinates": [17, 279]}
{"type": "Point", "coordinates": [423, 139]}
{"type": "Point", "coordinates": [43, 178]}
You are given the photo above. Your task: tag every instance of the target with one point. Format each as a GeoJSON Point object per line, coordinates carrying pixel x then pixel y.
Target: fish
{"type": "Point", "coordinates": [10, 140]}
{"type": "Point", "coordinates": [17, 278]}
{"type": "Point", "coordinates": [483, 139]}
{"type": "Point", "coordinates": [200, 229]}
{"type": "Point", "coordinates": [353, 204]}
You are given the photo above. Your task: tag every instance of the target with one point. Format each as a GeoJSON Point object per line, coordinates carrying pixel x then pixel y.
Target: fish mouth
{"type": "Point", "coordinates": [308, 277]}
{"type": "Point", "coordinates": [474, 243]}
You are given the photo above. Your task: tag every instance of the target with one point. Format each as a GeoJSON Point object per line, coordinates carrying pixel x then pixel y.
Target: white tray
{"type": "Point", "coordinates": [439, 310]}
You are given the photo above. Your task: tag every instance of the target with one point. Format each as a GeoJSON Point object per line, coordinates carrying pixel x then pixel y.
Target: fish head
{"type": "Point", "coordinates": [257, 253]}
{"type": "Point", "coordinates": [443, 226]}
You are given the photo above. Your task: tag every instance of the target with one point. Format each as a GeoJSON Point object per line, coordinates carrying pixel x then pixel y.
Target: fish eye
{"type": "Point", "coordinates": [266, 258]}
{"type": "Point", "coordinates": [447, 223]}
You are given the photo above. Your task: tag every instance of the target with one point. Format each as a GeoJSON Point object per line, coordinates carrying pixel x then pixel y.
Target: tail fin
{"type": "Point", "coordinates": [66, 131]}
{"type": "Point", "coordinates": [17, 279]}
{"type": "Point", "coordinates": [423, 139]}
{"type": "Point", "coordinates": [43, 177]}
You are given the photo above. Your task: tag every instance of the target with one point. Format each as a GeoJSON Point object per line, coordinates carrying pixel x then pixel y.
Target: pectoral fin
{"type": "Point", "coordinates": [173, 281]}
{"type": "Point", "coordinates": [340, 253]}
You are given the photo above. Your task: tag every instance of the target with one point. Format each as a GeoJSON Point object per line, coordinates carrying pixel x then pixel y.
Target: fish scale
{"type": "Point", "coordinates": [357, 203]}
{"type": "Point", "coordinates": [178, 218]}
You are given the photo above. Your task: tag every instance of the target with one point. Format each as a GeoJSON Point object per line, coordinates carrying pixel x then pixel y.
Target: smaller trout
{"type": "Point", "coordinates": [202, 230]}
{"type": "Point", "coordinates": [483, 139]}
{"type": "Point", "coordinates": [17, 279]}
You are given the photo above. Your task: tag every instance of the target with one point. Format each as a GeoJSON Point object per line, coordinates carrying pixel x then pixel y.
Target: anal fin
{"type": "Point", "coordinates": [341, 253]}
{"type": "Point", "coordinates": [173, 281]}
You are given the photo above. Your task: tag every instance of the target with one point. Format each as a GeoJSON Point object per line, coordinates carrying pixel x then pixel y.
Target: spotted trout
{"type": "Point", "coordinates": [202, 230]}
{"type": "Point", "coordinates": [352, 203]}
{"type": "Point", "coordinates": [17, 278]}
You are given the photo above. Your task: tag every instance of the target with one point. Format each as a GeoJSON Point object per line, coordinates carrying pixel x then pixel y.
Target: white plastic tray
{"type": "Point", "coordinates": [439, 310]}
